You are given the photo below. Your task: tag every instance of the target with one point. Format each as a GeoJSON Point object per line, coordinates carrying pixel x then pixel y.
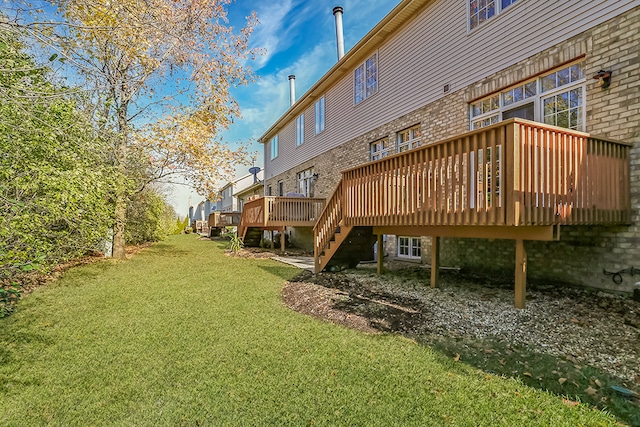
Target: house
{"type": "Point", "coordinates": [458, 127]}
{"type": "Point", "coordinates": [227, 197]}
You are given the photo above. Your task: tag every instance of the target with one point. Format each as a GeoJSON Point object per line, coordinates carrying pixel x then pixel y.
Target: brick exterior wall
{"type": "Point", "coordinates": [582, 252]}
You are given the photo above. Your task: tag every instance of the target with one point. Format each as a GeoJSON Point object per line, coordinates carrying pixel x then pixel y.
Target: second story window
{"type": "Point", "coordinates": [365, 79]}
{"type": "Point", "coordinates": [274, 147]}
{"type": "Point", "coordinates": [319, 115]}
{"type": "Point", "coordinates": [379, 149]}
{"type": "Point", "coordinates": [300, 130]}
{"type": "Point", "coordinates": [482, 10]}
{"type": "Point", "coordinates": [408, 139]}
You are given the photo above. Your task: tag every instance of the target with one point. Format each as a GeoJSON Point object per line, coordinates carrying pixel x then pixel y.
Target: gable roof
{"type": "Point", "coordinates": [403, 12]}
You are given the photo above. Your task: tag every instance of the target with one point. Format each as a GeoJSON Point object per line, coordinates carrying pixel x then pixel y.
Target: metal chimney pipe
{"type": "Point", "coordinates": [337, 12]}
{"type": "Point", "coordinates": [292, 89]}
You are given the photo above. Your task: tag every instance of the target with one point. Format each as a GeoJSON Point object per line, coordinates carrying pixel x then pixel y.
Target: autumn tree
{"type": "Point", "coordinates": [161, 71]}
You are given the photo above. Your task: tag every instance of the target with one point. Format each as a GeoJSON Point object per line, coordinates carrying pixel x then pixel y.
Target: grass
{"type": "Point", "coordinates": [183, 335]}
{"type": "Point", "coordinates": [558, 375]}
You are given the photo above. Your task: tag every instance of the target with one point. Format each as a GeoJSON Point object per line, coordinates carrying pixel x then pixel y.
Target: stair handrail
{"type": "Point", "coordinates": [252, 216]}
{"type": "Point", "coordinates": [328, 222]}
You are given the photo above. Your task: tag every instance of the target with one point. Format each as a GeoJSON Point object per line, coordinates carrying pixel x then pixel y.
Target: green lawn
{"type": "Point", "coordinates": [183, 335]}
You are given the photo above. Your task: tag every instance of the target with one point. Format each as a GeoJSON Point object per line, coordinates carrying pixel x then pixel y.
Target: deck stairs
{"type": "Point", "coordinates": [252, 236]}
{"type": "Point", "coordinates": [348, 246]}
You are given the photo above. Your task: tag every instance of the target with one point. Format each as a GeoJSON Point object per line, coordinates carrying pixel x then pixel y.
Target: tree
{"type": "Point", "coordinates": [129, 53]}
{"type": "Point", "coordinates": [53, 175]}
{"type": "Point", "coordinates": [149, 217]}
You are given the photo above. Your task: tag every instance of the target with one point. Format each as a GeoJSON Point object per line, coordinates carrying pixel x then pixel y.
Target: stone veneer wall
{"type": "Point", "coordinates": [583, 252]}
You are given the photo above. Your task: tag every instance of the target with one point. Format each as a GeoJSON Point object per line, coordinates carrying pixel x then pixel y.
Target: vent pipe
{"type": "Point", "coordinates": [292, 89]}
{"type": "Point", "coordinates": [337, 12]}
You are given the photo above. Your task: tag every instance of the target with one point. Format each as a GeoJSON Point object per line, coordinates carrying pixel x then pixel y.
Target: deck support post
{"type": "Point", "coordinates": [273, 245]}
{"type": "Point", "coordinates": [282, 240]}
{"type": "Point", "coordinates": [435, 261]}
{"type": "Point", "coordinates": [380, 269]}
{"type": "Point", "coordinates": [521, 275]}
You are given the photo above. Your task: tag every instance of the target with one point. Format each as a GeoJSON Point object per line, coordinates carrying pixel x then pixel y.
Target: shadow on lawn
{"type": "Point", "coordinates": [10, 343]}
{"type": "Point", "coordinates": [167, 250]}
{"type": "Point", "coordinates": [558, 375]}
{"type": "Point", "coordinates": [284, 272]}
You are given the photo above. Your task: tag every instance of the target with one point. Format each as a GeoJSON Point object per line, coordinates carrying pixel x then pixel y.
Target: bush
{"type": "Point", "coordinates": [149, 218]}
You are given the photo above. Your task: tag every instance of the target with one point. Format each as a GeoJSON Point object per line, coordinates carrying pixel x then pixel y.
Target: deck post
{"type": "Point", "coordinates": [273, 244]}
{"type": "Point", "coordinates": [521, 275]}
{"type": "Point", "coordinates": [435, 261]}
{"type": "Point", "coordinates": [380, 269]}
{"type": "Point", "coordinates": [282, 240]}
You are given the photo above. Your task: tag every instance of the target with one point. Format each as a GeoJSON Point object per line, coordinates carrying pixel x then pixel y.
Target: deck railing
{"type": "Point", "coordinates": [273, 212]}
{"type": "Point", "coordinates": [224, 219]}
{"type": "Point", "coordinates": [514, 173]}
{"type": "Point", "coordinates": [328, 221]}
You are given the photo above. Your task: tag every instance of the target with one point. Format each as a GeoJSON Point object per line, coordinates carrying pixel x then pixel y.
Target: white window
{"type": "Point", "coordinates": [319, 115]}
{"type": "Point", "coordinates": [365, 79]}
{"type": "Point", "coordinates": [409, 247]}
{"type": "Point", "coordinates": [274, 147]}
{"type": "Point", "coordinates": [482, 10]}
{"type": "Point", "coordinates": [379, 149]}
{"type": "Point", "coordinates": [409, 138]}
{"type": "Point", "coordinates": [300, 130]}
{"type": "Point", "coordinates": [305, 179]}
{"type": "Point", "coordinates": [556, 98]}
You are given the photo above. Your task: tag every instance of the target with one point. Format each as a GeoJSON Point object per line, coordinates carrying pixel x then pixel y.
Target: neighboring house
{"type": "Point", "coordinates": [227, 196]}
{"type": "Point", "coordinates": [250, 193]}
{"type": "Point", "coordinates": [430, 73]}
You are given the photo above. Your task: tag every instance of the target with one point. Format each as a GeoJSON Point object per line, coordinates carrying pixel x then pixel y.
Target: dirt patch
{"type": "Point", "coordinates": [585, 326]}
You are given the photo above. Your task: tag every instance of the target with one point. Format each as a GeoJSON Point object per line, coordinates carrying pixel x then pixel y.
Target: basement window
{"type": "Point", "coordinates": [409, 247]}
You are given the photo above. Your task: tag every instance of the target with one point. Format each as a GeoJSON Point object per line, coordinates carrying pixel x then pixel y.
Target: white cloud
{"type": "Point", "coordinates": [273, 32]}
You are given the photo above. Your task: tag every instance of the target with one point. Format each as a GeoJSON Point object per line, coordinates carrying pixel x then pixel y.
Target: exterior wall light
{"type": "Point", "coordinates": [604, 78]}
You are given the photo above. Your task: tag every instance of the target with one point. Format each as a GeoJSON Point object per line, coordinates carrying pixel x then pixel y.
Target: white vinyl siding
{"type": "Point", "coordinates": [319, 110]}
{"type": "Point", "coordinates": [403, 57]}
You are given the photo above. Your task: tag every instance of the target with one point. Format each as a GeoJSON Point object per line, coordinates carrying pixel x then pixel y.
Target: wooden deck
{"type": "Point", "coordinates": [276, 213]}
{"type": "Point", "coordinates": [518, 180]}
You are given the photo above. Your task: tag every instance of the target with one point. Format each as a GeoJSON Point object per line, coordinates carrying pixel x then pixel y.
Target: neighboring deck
{"type": "Point", "coordinates": [276, 213]}
{"type": "Point", "coordinates": [218, 221]}
{"type": "Point", "coordinates": [516, 180]}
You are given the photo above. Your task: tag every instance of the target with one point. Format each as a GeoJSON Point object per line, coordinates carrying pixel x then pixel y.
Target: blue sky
{"type": "Point", "coordinates": [299, 38]}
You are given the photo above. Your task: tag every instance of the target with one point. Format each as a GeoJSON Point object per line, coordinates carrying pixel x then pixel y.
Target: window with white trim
{"type": "Point", "coordinates": [556, 98]}
{"type": "Point", "coordinates": [274, 147]}
{"type": "Point", "coordinates": [365, 79]}
{"type": "Point", "coordinates": [379, 149]}
{"type": "Point", "coordinates": [482, 10]}
{"type": "Point", "coordinates": [300, 130]}
{"type": "Point", "coordinates": [409, 247]}
{"type": "Point", "coordinates": [319, 108]}
{"type": "Point", "coordinates": [305, 181]}
{"type": "Point", "coordinates": [408, 139]}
